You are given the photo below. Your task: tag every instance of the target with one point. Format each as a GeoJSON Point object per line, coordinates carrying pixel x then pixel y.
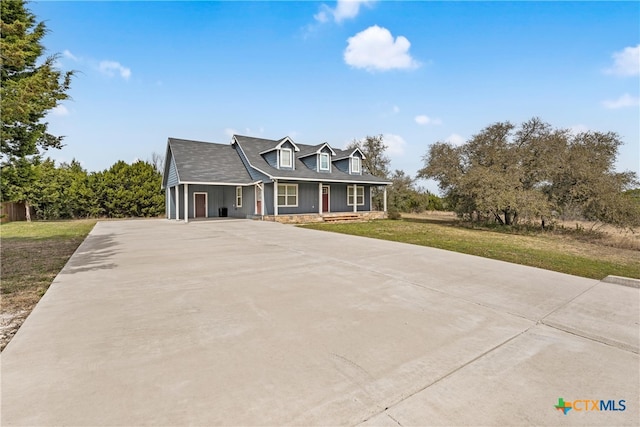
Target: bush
{"type": "Point", "coordinates": [393, 214]}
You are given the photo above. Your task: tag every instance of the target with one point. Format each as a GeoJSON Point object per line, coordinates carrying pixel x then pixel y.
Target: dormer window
{"type": "Point", "coordinates": [286, 157]}
{"type": "Point", "coordinates": [355, 165]}
{"type": "Point", "coordinates": [323, 164]}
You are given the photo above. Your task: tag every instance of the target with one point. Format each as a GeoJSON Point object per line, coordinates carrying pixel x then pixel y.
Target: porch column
{"type": "Point", "coordinates": [177, 187]}
{"type": "Point", "coordinates": [262, 198]}
{"type": "Point", "coordinates": [355, 198]}
{"type": "Point", "coordinates": [275, 197]}
{"type": "Point", "coordinates": [320, 198]}
{"type": "Point", "coordinates": [186, 202]}
{"type": "Point", "coordinates": [384, 198]}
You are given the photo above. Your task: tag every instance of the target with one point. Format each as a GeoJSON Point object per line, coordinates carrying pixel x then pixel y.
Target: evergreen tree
{"type": "Point", "coordinates": [28, 91]}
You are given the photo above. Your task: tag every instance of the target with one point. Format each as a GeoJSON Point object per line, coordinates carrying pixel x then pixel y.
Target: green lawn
{"type": "Point", "coordinates": [545, 250]}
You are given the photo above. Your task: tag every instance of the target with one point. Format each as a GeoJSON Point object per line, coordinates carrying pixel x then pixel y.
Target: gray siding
{"type": "Point", "coordinates": [338, 199]}
{"type": "Point", "coordinates": [218, 196]}
{"type": "Point", "coordinates": [248, 203]}
{"type": "Point", "coordinates": [272, 158]}
{"type": "Point", "coordinates": [268, 199]}
{"type": "Point", "coordinates": [172, 176]}
{"type": "Point", "coordinates": [307, 199]}
{"type": "Point", "coordinates": [172, 202]}
{"type": "Point", "coordinates": [310, 161]}
{"type": "Point", "coordinates": [342, 165]}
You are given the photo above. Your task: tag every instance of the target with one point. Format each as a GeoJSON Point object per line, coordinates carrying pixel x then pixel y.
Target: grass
{"type": "Point", "coordinates": [31, 256]}
{"type": "Point", "coordinates": [562, 253]}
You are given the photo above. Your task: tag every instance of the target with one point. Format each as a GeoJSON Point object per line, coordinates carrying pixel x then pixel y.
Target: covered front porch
{"type": "Point", "coordinates": [285, 197]}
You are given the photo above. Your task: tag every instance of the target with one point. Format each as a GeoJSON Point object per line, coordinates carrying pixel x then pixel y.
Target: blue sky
{"type": "Point", "coordinates": [416, 72]}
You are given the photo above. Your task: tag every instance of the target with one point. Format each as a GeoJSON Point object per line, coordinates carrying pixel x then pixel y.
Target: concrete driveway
{"type": "Point", "coordinates": [252, 323]}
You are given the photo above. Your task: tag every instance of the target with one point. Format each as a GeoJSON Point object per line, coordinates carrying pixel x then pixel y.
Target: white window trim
{"type": "Point", "coordinates": [286, 195]}
{"type": "Point", "coordinates": [358, 187]}
{"type": "Point", "coordinates": [281, 164]}
{"type": "Point", "coordinates": [328, 157]}
{"type": "Point", "coordinates": [359, 162]}
{"type": "Point", "coordinates": [206, 203]}
{"type": "Point", "coordinates": [238, 197]}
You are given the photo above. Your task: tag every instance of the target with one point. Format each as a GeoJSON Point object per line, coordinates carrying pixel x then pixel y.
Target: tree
{"type": "Point", "coordinates": [376, 162]}
{"type": "Point", "coordinates": [28, 91]}
{"type": "Point", "coordinates": [131, 190]}
{"type": "Point", "coordinates": [157, 160]}
{"type": "Point", "coordinates": [507, 174]}
{"type": "Point", "coordinates": [404, 196]}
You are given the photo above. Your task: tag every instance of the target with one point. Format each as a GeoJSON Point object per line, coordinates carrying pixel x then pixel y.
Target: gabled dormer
{"type": "Point", "coordinates": [350, 161]}
{"type": "Point", "coordinates": [282, 156]}
{"type": "Point", "coordinates": [318, 158]}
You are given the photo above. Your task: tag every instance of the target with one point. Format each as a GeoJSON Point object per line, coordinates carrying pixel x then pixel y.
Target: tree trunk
{"type": "Point", "coordinates": [27, 211]}
{"type": "Point", "coordinates": [507, 217]}
{"type": "Point", "coordinates": [498, 218]}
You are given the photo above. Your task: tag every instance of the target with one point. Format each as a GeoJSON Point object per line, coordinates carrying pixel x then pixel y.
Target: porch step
{"type": "Point", "coordinates": [344, 217]}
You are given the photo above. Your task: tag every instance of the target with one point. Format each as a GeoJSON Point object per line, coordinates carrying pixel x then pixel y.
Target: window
{"type": "Point", "coordinates": [355, 165]}
{"type": "Point", "coordinates": [324, 161]}
{"type": "Point", "coordinates": [285, 157]}
{"type": "Point", "coordinates": [359, 197]}
{"type": "Point", "coordinates": [238, 197]}
{"type": "Point", "coordinates": [288, 195]}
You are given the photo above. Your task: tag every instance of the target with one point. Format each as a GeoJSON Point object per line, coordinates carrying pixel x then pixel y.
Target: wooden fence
{"type": "Point", "coordinates": [10, 211]}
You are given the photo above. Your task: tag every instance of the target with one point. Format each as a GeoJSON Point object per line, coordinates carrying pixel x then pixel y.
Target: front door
{"type": "Point", "coordinates": [201, 205]}
{"type": "Point", "coordinates": [325, 198]}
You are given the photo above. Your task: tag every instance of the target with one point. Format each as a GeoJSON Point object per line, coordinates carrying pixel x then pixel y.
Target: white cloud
{"type": "Point", "coordinates": [455, 140]}
{"type": "Point", "coordinates": [396, 109]}
{"type": "Point", "coordinates": [60, 110]}
{"type": "Point", "coordinates": [426, 120]}
{"type": "Point", "coordinates": [626, 62]}
{"type": "Point", "coordinates": [345, 9]}
{"type": "Point", "coordinates": [395, 144]}
{"type": "Point", "coordinates": [376, 49]}
{"type": "Point", "coordinates": [111, 67]}
{"type": "Point", "coordinates": [624, 101]}
{"type": "Point", "coordinates": [67, 54]}
{"type": "Point", "coordinates": [323, 15]}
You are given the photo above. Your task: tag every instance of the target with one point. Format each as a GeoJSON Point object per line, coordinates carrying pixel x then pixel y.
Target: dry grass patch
{"type": "Point", "coordinates": [31, 256]}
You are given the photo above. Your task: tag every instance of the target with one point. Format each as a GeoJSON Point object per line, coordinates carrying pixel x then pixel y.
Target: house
{"type": "Point", "coordinates": [263, 178]}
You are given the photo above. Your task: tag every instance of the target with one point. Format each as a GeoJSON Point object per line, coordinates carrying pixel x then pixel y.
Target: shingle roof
{"type": "Point", "coordinates": [313, 149]}
{"type": "Point", "coordinates": [207, 162]}
{"type": "Point", "coordinates": [252, 147]}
